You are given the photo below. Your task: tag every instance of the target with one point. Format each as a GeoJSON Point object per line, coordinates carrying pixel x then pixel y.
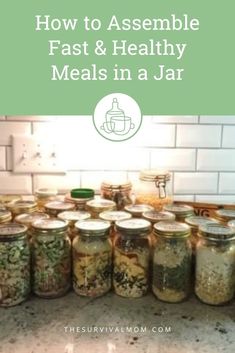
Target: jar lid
{"type": "Point", "coordinates": [179, 210]}
{"type": "Point", "coordinates": [73, 216]}
{"type": "Point", "coordinates": [46, 192]}
{"type": "Point", "coordinates": [4, 199]}
{"type": "Point", "coordinates": [154, 175]}
{"type": "Point", "coordinates": [116, 186]}
{"type": "Point", "coordinates": [101, 204]}
{"type": "Point", "coordinates": [113, 216]}
{"type": "Point", "coordinates": [82, 193]}
{"type": "Point", "coordinates": [197, 221]}
{"type": "Point", "coordinates": [225, 214]}
{"type": "Point", "coordinates": [217, 232]}
{"type": "Point", "coordinates": [157, 216]}
{"type": "Point", "coordinates": [28, 218]}
{"type": "Point", "coordinates": [22, 206]}
{"type": "Point", "coordinates": [134, 225]}
{"type": "Point", "coordinates": [93, 227]}
{"type": "Point", "coordinates": [50, 225]}
{"type": "Point", "coordinates": [171, 229]}
{"type": "Point", "coordinates": [59, 205]}
{"type": "Point", "coordinates": [139, 209]}
{"type": "Point", "coordinates": [5, 216]}
{"type": "Point", "coordinates": [12, 231]}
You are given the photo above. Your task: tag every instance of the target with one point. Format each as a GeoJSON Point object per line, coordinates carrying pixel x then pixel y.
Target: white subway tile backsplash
{"type": "Point", "coordinates": [195, 183]}
{"type": "Point", "coordinates": [9, 162]}
{"type": "Point", "coordinates": [189, 119]}
{"type": "Point", "coordinates": [219, 199]}
{"type": "Point", "coordinates": [62, 183]}
{"type": "Point", "coordinates": [214, 119]}
{"type": "Point", "coordinates": [94, 179]}
{"type": "Point", "coordinates": [184, 198]}
{"type": "Point", "coordinates": [7, 128]}
{"type": "Point", "coordinates": [198, 136]}
{"type": "Point", "coordinates": [216, 160]}
{"type": "Point", "coordinates": [2, 158]}
{"type": "Point", "coordinates": [15, 184]}
{"type": "Point", "coordinates": [227, 183]}
{"type": "Point", "coordinates": [173, 159]}
{"type": "Point", "coordinates": [228, 137]}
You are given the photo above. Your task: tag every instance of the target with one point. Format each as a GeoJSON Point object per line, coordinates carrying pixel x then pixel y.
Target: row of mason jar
{"type": "Point", "coordinates": [137, 260]}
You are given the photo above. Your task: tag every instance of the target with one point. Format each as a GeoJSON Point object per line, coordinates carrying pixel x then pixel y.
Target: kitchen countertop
{"type": "Point", "coordinates": [148, 325]}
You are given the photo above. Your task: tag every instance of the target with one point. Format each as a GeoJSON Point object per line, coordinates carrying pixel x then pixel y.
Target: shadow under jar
{"type": "Point", "coordinates": [51, 250]}
{"type": "Point", "coordinates": [14, 264]}
{"type": "Point", "coordinates": [92, 258]}
{"type": "Point", "coordinates": [215, 264]}
{"type": "Point", "coordinates": [172, 261]}
{"type": "Point", "coordinates": [132, 258]}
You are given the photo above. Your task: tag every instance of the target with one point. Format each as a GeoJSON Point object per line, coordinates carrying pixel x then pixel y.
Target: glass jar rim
{"type": "Point", "coordinates": [197, 221]}
{"type": "Point", "coordinates": [12, 231]}
{"type": "Point", "coordinates": [216, 232]}
{"type": "Point", "coordinates": [171, 229]}
{"type": "Point", "coordinates": [93, 227]}
{"type": "Point", "coordinates": [50, 225]}
{"type": "Point", "coordinates": [133, 226]}
{"type": "Point", "coordinates": [157, 216]}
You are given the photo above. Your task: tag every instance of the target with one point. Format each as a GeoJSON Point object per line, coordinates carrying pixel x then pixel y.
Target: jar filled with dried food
{"type": "Point", "coordinates": [132, 258]}
{"type": "Point", "coordinates": [80, 197]}
{"type": "Point", "coordinates": [194, 223]}
{"type": "Point", "coordinates": [112, 217]}
{"type": "Point", "coordinates": [43, 196]}
{"type": "Point", "coordinates": [27, 219]}
{"type": "Point", "coordinates": [97, 206]}
{"type": "Point", "coordinates": [5, 216]}
{"type": "Point", "coordinates": [51, 250]}
{"type": "Point", "coordinates": [72, 217]}
{"type": "Point", "coordinates": [53, 208]}
{"type": "Point", "coordinates": [180, 211]}
{"type": "Point", "coordinates": [224, 215]}
{"type": "Point", "coordinates": [19, 207]}
{"type": "Point", "coordinates": [119, 193]}
{"type": "Point", "coordinates": [92, 258]}
{"type": "Point", "coordinates": [215, 264]}
{"type": "Point", "coordinates": [14, 264]}
{"type": "Point", "coordinates": [138, 210]}
{"type": "Point", "coordinates": [172, 261]}
{"type": "Point", "coordinates": [154, 188]}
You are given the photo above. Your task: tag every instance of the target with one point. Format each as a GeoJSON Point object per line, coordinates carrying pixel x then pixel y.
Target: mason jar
{"type": "Point", "coordinates": [158, 216]}
{"type": "Point", "coordinates": [180, 211]}
{"type": "Point", "coordinates": [72, 217]}
{"type": "Point", "coordinates": [131, 268]}
{"type": "Point", "coordinates": [97, 206]}
{"type": "Point", "coordinates": [215, 264]}
{"type": "Point", "coordinates": [6, 199]}
{"type": "Point", "coordinates": [224, 215]}
{"type": "Point", "coordinates": [14, 264]}
{"type": "Point", "coordinates": [53, 208]}
{"type": "Point", "coordinates": [19, 207]}
{"type": "Point", "coordinates": [138, 210]}
{"type": "Point", "coordinates": [113, 217]}
{"type": "Point", "coordinates": [119, 193]}
{"type": "Point", "coordinates": [43, 196]}
{"type": "Point", "coordinates": [92, 258]}
{"type": "Point", "coordinates": [5, 216]}
{"type": "Point", "coordinates": [154, 188]}
{"type": "Point", "coordinates": [80, 197]}
{"type": "Point", "coordinates": [51, 252]}
{"type": "Point", "coordinates": [172, 261]}
{"type": "Point", "coordinates": [27, 219]}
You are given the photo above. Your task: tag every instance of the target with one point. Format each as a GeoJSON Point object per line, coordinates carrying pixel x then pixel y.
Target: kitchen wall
{"type": "Point", "coordinates": [199, 151]}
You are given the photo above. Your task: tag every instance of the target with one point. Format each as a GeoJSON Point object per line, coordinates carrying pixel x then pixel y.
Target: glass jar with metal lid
{"type": "Point", "coordinates": [158, 216]}
{"type": "Point", "coordinates": [194, 223]}
{"type": "Point", "coordinates": [96, 206]}
{"type": "Point", "coordinates": [14, 264]}
{"type": "Point", "coordinates": [132, 258]}
{"type": "Point", "coordinates": [224, 215]}
{"type": "Point", "coordinates": [172, 261]}
{"type": "Point", "coordinates": [80, 197]}
{"type": "Point", "coordinates": [27, 219]}
{"type": "Point", "coordinates": [19, 207]}
{"type": "Point", "coordinates": [112, 217]}
{"type": "Point", "coordinates": [215, 265]}
{"type": "Point", "coordinates": [138, 210]}
{"type": "Point", "coordinates": [92, 258]}
{"type": "Point", "coordinates": [154, 188]}
{"type": "Point", "coordinates": [53, 208]}
{"type": "Point", "coordinates": [119, 193]}
{"type": "Point", "coordinates": [5, 216]}
{"type": "Point", "coordinates": [72, 217]}
{"type": "Point", "coordinates": [51, 250]}
{"type": "Point", "coordinates": [43, 196]}
{"type": "Point", "coordinates": [5, 199]}
{"type": "Point", "coordinates": [181, 211]}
